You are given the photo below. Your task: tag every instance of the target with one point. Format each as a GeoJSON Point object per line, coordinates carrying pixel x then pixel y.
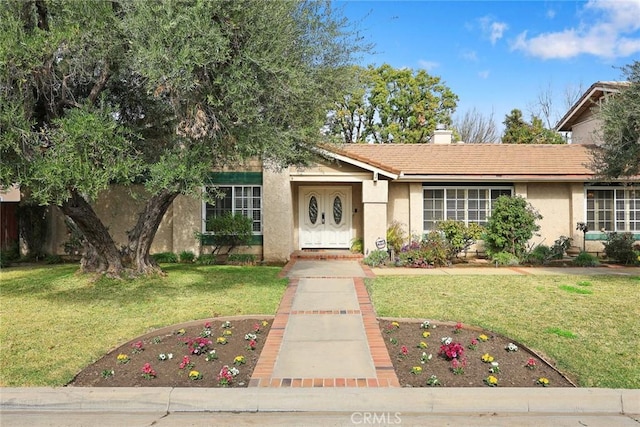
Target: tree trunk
{"type": "Point", "coordinates": [142, 235]}
{"type": "Point", "coordinates": [101, 254]}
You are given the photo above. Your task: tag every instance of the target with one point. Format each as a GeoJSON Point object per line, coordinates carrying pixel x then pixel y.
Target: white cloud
{"type": "Point", "coordinates": [608, 30]}
{"type": "Point", "coordinates": [469, 55]}
{"type": "Point", "coordinates": [428, 65]}
{"type": "Point", "coordinates": [492, 29]}
{"type": "Point", "coordinates": [484, 74]}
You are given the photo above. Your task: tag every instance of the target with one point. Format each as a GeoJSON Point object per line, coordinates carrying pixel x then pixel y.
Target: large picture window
{"type": "Point", "coordinates": [613, 209]}
{"type": "Point", "coordinates": [465, 204]}
{"type": "Point", "coordinates": [243, 199]}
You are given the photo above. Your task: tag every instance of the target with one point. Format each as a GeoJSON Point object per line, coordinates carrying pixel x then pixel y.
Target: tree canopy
{"type": "Point", "coordinates": [519, 131]}
{"type": "Point", "coordinates": [619, 155]}
{"type": "Point", "coordinates": [158, 93]}
{"type": "Point", "coordinates": [386, 104]}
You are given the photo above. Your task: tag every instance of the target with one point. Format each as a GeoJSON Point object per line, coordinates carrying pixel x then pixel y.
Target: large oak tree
{"type": "Point", "coordinates": [157, 93]}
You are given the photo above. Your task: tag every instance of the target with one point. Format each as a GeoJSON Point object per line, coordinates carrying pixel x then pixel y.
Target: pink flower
{"type": "Point", "coordinates": [252, 344]}
{"type": "Point", "coordinates": [185, 361]}
{"type": "Point", "coordinates": [207, 325]}
{"type": "Point", "coordinates": [256, 328]}
{"type": "Point", "coordinates": [404, 350]}
{"type": "Point", "coordinates": [474, 342]}
{"type": "Point", "coordinates": [148, 371]}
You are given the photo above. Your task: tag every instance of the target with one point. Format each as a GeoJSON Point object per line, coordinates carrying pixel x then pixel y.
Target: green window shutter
{"type": "Point", "coordinates": [236, 178]}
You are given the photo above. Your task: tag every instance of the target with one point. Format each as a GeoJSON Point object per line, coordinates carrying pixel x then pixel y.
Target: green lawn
{"type": "Point", "coordinates": [54, 322]}
{"type": "Point", "coordinates": [589, 325]}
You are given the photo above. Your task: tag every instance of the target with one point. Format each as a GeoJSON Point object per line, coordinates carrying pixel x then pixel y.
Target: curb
{"type": "Point", "coordinates": [409, 400]}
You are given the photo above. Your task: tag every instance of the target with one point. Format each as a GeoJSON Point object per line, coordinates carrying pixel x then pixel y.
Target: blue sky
{"type": "Point", "coordinates": [500, 55]}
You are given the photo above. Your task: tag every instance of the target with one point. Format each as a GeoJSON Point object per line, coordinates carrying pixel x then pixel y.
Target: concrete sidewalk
{"type": "Point", "coordinates": [324, 363]}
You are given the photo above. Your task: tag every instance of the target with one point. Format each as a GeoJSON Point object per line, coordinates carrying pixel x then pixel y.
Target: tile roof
{"type": "Point", "coordinates": [474, 160]}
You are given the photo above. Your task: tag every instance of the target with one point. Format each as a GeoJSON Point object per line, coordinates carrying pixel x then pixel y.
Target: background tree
{"type": "Point", "coordinates": [619, 155]}
{"type": "Point", "coordinates": [475, 128]}
{"type": "Point", "coordinates": [519, 131]}
{"type": "Point", "coordinates": [511, 225]}
{"type": "Point", "coordinates": [157, 93]}
{"type": "Point", "coordinates": [386, 104]}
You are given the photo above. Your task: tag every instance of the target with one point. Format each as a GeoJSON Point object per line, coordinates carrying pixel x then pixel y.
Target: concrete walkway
{"type": "Point", "coordinates": [325, 363]}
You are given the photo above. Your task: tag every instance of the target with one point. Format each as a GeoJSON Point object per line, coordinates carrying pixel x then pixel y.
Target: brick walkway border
{"type": "Point", "coordinates": [385, 373]}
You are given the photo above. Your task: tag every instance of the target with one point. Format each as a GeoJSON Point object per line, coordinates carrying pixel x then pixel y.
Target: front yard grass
{"type": "Point", "coordinates": [55, 322]}
{"type": "Point", "coordinates": [593, 336]}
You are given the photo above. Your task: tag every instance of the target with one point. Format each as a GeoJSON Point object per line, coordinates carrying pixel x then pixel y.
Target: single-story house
{"type": "Point", "coordinates": [356, 191]}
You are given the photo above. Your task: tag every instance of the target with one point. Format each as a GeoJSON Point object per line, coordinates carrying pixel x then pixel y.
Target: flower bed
{"type": "Point", "coordinates": [212, 353]}
{"type": "Point", "coordinates": [453, 355]}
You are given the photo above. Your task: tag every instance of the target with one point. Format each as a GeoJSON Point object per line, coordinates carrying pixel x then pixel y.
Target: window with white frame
{"type": "Point", "coordinates": [465, 204]}
{"type": "Point", "coordinates": [242, 199]}
{"type": "Point", "coordinates": [613, 208]}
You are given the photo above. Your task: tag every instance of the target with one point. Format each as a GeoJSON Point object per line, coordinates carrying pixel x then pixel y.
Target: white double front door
{"type": "Point", "coordinates": [325, 217]}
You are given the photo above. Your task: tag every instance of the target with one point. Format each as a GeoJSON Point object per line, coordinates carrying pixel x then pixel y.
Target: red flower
{"type": "Point", "coordinates": [453, 350]}
{"type": "Point", "coordinates": [148, 371]}
{"type": "Point", "coordinates": [404, 350]}
{"type": "Point", "coordinates": [207, 325]}
{"type": "Point", "coordinates": [185, 361]}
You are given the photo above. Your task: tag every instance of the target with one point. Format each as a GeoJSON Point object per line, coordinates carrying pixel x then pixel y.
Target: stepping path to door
{"type": "Point", "coordinates": [325, 333]}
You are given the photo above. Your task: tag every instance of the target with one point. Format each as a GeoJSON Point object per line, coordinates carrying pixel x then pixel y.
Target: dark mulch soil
{"type": "Point", "coordinates": [513, 372]}
{"type": "Point", "coordinates": [512, 364]}
{"type": "Point", "coordinates": [172, 340]}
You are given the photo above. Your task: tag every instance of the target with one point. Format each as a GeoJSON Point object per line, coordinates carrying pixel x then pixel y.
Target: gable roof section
{"type": "Point", "coordinates": [587, 101]}
{"type": "Point", "coordinates": [481, 162]}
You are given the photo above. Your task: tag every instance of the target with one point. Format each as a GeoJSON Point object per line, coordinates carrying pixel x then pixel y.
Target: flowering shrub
{"type": "Point", "coordinates": [491, 381]}
{"type": "Point", "coordinates": [457, 366]}
{"type": "Point", "coordinates": [544, 382]}
{"type": "Point", "coordinates": [198, 345]}
{"type": "Point", "coordinates": [487, 358]}
{"type": "Point", "coordinates": [226, 375]}
{"type": "Point", "coordinates": [137, 347]}
{"type": "Point", "coordinates": [148, 372]}
{"type": "Point", "coordinates": [221, 340]}
{"type": "Point", "coordinates": [186, 363]}
{"type": "Point", "coordinates": [452, 350]}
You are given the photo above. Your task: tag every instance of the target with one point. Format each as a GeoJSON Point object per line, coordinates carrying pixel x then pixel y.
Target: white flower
{"type": "Point", "coordinates": [249, 337]}
{"type": "Point", "coordinates": [162, 356]}
{"type": "Point", "coordinates": [234, 371]}
{"type": "Point", "coordinates": [170, 356]}
{"type": "Point", "coordinates": [446, 340]}
{"type": "Point", "coordinates": [512, 347]}
{"type": "Point", "coordinates": [425, 324]}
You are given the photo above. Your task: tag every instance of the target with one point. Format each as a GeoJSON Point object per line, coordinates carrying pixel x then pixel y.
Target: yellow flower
{"type": "Point", "coordinates": [395, 324]}
{"type": "Point", "coordinates": [194, 375]}
{"type": "Point", "coordinates": [227, 332]}
{"type": "Point", "coordinates": [491, 380]}
{"type": "Point", "coordinates": [265, 323]}
{"type": "Point", "coordinates": [239, 360]}
{"type": "Point", "coordinates": [483, 337]}
{"type": "Point", "coordinates": [422, 344]}
{"type": "Point", "coordinates": [487, 358]}
{"type": "Point", "coordinates": [221, 340]}
{"type": "Point", "coordinates": [123, 358]}
{"type": "Point", "coordinates": [416, 370]}
{"type": "Point", "coordinates": [426, 334]}
{"type": "Point", "coordinates": [543, 381]}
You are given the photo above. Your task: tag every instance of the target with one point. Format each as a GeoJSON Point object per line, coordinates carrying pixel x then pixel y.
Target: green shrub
{"type": "Point", "coordinates": [165, 257]}
{"type": "Point", "coordinates": [540, 255]}
{"type": "Point", "coordinates": [504, 258]}
{"type": "Point", "coordinates": [207, 259]}
{"type": "Point", "coordinates": [357, 246]}
{"type": "Point", "coordinates": [511, 225]}
{"type": "Point", "coordinates": [395, 236]}
{"type": "Point", "coordinates": [560, 246]}
{"type": "Point", "coordinates": [230, 231]}
{"type": "Point", "coordinates": [585, 259]}
{"type": "Point", "coordinates": [459, 236]}
{"type": "Point", "coordinates": [187, 256]}
{"type": "Point", "coordinates": [241, 259]}
{"type": "Point", "coordinates": [376, 258]}
{"type": "Point", "coordinates": [431, 251]}
{"type": "Point", "coordinates": [53, 259]}
{"type": "Point", "coordinates": [619, 248]}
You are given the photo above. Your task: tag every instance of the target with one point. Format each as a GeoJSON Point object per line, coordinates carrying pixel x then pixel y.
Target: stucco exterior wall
{"type": "Point", "coordinates": [399, 209]}
{"type": "Point", "coordinates": [278, 216]}
{"type": "Point", "coordinates": [553, 202]}
{"type": "Point", "coordinates": [375, 195]}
